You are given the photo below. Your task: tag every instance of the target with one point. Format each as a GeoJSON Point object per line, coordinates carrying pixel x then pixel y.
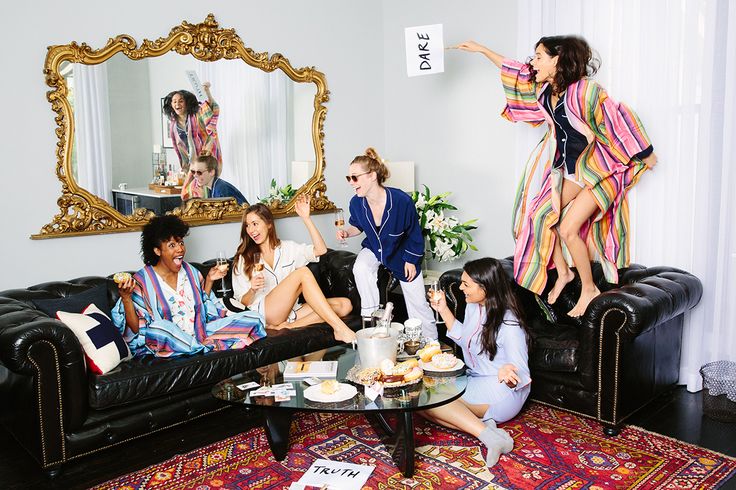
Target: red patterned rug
{"type": "Point", "coordinates": [552, 449]}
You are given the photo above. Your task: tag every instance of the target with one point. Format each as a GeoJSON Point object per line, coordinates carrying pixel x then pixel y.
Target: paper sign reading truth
{"type": "Point", "coordinates": [425, 50]}
{"type": "Point", "coordinates": [336, 475]}
{"type": "Point", "coordinates": [196, 85]}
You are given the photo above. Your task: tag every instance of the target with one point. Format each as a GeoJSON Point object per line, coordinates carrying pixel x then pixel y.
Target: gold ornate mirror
{"type": "Point", "coordinates": [119, 157]}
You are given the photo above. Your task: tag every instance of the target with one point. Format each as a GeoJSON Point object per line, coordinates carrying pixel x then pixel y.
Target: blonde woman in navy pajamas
{"type": "Point", "coordinates": [494, 343]}
{"type": "Point", "coordinates": [393, 238]}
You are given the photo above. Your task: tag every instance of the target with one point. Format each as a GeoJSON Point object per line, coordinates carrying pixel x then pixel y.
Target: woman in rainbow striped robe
{"type": "Point", "coordinates": [167, 308]}
{"type": "Point", "coordinates": [571, 201]}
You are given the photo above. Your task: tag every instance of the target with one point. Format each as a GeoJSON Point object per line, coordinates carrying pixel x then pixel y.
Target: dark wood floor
{"type": "Point", "coordinates": [677, 414]}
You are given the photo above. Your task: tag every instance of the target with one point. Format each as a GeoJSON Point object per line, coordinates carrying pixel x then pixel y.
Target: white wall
{"type": "Point", "coordinates": [328, 34]}
{"type": "Point", "coordinates": [449, 123]}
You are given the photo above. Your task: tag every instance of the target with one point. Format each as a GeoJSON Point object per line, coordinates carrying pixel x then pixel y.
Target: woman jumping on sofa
{"type": "Point", "coordinates": [573, 191]}
{"type": "Point", "coordinates": [494, 343]}
{"type": "Point", "coordinates": [273, 291]}
{"type": "Point", "coordinates": [393, 237]}
{"type": "Point", "coordinates": [167, 308]}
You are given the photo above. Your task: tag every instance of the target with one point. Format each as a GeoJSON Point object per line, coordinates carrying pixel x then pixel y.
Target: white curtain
{"type": "Point", "coordinates": [255, 127]}
{"type": "Point", "coordinates": [92, 129]}
{"type": "Point", "coordinates": [674, 62]}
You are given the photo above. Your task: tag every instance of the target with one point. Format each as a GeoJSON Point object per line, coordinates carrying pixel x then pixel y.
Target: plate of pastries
{"type": "Point", "coordinates": [434, 362]}
{"type": "Point", "coordinates": [330, 391]}
{"type": "Point", "coordinates": [389, 374]}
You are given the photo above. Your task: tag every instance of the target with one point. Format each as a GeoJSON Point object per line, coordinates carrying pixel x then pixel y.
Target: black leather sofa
{"type": "Point", "coordinates": [623, 353]}
{"type": "Point", "coordinates": [59, 411]}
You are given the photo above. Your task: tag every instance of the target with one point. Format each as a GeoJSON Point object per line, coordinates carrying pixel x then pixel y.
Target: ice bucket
{"type": "Point", "coordinates": [374, 346]}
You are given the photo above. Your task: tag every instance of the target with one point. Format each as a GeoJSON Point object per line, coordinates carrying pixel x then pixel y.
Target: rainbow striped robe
{"type": "Point", "coordinates": [203, 126]}
{"type": "Point", "coordinates": [159, 336]}
{"type": "Point", "coordinates": [608, 168]}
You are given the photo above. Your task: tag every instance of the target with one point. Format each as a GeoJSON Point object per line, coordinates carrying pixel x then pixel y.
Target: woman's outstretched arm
{"type": "Point", "coordinates": [302, 209]}
{"type": "Point", "coordinates": [474, 47]}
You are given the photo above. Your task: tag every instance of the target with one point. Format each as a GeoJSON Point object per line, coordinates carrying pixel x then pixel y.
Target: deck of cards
{"type": "Point", "coordinates": [280, 392]}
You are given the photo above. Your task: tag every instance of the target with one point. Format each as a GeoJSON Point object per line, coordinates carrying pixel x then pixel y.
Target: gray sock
{"type": "Point", "coordinates": [505, 436]}
{"type": "Point", "coordinates": [494, 443]}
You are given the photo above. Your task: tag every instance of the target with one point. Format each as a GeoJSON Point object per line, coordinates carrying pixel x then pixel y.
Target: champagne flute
{"type": "Point", "coordinates": [222, 265]}
{"type": "Point", "coordinates": [339, 224]}
{"type": "Point", "coordinates": [435, 295]}
{"type": "Point", "coordinates": [257, 264]}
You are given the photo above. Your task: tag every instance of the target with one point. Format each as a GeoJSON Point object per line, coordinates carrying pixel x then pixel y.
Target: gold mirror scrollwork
{"type": "Point", "coordinates": [82, 212]}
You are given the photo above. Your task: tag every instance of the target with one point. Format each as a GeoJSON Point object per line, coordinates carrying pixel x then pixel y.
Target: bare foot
{"type": "Point", "coordinates": [344, 334]}
{"type": "Point", "coordinates": [563, 279]}
{"type": "Point", "coordinates": [586, 296]}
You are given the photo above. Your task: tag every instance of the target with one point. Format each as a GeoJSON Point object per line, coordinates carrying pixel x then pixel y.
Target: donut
{"type": "Point", "coordinates": [444, 361]}
{"type": "Point", "coordinates": [368, 376]}
{"type": "Point", "coordinates": [414, 374]}
{"type": "Point", "coordinates": [402, 368]}
{"type": "Point", "coordinates": [429, 351]}
{"type": "Point", "coordinates": [387, 366]}
{"type": "Point", "coordinates": [121, 277]}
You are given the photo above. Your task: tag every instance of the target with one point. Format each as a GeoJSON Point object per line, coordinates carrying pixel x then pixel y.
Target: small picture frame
{"type": "Point", "coordinates": [165, 135]}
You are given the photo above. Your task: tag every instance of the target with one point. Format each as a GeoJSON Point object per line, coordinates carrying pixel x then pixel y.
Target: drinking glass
{"type": "Point", "coordinates": [222, 265]}
{"type": "Point", "coordinates": [257, 264]}
{"type": "Point", "coordinates": [435, 296]}
{"type": "Point", "coordinates": [339, 224]}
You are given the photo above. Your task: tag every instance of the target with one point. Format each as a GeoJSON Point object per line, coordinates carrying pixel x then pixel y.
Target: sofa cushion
{"type": "Point", "coordinates": [76, 302]}
{"type": "Point", "coordinates": [554, 348]}
{"type": "Point", "coordinates": [101, 341]}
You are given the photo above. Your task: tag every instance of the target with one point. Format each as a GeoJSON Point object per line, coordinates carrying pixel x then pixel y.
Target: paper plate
{"type": "Point", "coordinates": [344, 392]}
{"type": "Point", "coordinates": [432, 370]}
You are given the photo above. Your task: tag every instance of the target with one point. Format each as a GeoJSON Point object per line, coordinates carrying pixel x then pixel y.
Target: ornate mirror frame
{"type": "Point", "coordinates": [83, 213]}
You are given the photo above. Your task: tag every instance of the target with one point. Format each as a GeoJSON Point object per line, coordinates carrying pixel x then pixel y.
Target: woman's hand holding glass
{"type": "Point", "coordinates": [257, 281]}
{"type": "Point", "coordinates": [437, 298]}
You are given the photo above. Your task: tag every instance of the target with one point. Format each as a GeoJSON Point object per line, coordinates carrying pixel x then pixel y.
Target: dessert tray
{"type": "Point", "coordinates": [389, 390]}
{"type": "Point", "coordinates": [432, 370]}
{"type": "Point", "coordinates": [344, 392]}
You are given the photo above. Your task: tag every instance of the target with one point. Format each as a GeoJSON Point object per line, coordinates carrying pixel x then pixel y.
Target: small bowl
{"type": "Point", "coordinates": [411, 347]}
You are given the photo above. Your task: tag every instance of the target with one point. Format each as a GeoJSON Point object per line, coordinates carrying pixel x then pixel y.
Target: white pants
{"type": "Point", "coordinates": [365, 271]}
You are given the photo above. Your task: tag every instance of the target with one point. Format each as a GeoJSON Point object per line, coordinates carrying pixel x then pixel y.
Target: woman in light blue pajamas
{"type": "Point", "coordinates": [494, 343]}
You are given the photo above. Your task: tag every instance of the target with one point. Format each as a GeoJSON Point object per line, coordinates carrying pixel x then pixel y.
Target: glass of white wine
{"type": "Point", "coordinates": [435, 295]}
{"type": "Point", "coordinates": [222, 265]}
{"type": "Point", "coordinates": [339, 224]}
{"type": "Point", "coordinates": [257, 264]}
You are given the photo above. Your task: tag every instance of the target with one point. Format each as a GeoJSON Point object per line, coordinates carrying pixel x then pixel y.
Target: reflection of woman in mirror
{"type": "Point", "coordinates": [272, 283]}
{"type": "Point", "coordinates": [204, 170]}
{"type": "Point", "coordinates": [193, 129]}
{"type": "Point", "coordinates": [167, 308]}
{"type": "Point", "coordinates": [494, 342]}
{"type": "Point", "coordinates": [393, 238]}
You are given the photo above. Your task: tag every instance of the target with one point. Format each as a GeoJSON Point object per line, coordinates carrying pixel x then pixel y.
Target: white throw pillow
{"type": "Point", "coordinates": [101, 341]}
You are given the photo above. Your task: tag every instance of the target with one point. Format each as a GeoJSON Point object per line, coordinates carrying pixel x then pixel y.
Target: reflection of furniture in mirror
{"type": "Point", "coordinates": [128, 200]}
{"type": "Point", "coordinates": [109, 120]}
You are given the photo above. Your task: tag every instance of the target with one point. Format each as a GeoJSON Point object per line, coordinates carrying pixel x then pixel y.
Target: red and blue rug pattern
{"type": "Point", "coordinates": [552, 449]}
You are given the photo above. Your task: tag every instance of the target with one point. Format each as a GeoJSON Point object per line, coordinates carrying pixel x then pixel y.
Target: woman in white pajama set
{"type": "Point", "coordinates": [494, 342]}
{"type": "Point", "coordinates": [274, 291]}
{"type": "Point", "coordinates": [393, 238]}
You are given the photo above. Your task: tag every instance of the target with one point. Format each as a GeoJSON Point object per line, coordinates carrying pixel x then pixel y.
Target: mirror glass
{"type": "Point", "coordinates": [123, 152]}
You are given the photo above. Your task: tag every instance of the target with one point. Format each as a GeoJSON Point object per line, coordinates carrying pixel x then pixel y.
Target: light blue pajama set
{"type": "Point", "coordinates": [483, 385]}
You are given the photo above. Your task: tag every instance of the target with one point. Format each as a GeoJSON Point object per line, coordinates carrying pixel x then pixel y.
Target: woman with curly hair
{"type": "Point", "coordinates": [572, 197]}
{"type": "Point", "coordinates": [193, 129]}
{"type": "Point", "coordinates": [168, 308]}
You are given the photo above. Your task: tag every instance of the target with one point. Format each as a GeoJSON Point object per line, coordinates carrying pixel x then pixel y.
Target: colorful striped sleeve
{"type": "Point", "coordinates": [521, 96]}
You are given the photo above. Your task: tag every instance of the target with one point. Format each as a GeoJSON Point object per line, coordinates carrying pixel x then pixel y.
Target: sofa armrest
{"type": "Point", "coordinates": [44, 349]}
{"type": "Point", "coordinates": [648, 297]}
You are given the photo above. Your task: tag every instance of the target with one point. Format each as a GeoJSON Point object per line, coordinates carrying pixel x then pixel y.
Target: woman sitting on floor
{"type": "Point", "coordinates": [273, 291]}
{"type": "Point", "coordinates": [494, 343]}
{"type": "Point", "coordinates": [167, 308]}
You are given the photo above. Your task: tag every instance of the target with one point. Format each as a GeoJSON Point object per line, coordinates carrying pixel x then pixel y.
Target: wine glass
{"type": "Point", "coordinates": [222, 265]}
{"type": "Point", "coordinates": [435, 296]}
{"type": "Point", "coordinates": [257, 264]}
{"type": "Point", "coordinates": [339, 224]}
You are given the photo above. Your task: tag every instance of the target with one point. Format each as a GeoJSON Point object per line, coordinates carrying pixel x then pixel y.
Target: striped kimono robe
{"type": "Point", "coordinates": [608, 168]}
{"type": "Point", "coordinates": [160, 336]}
{"type": "Point", "coordinates": [203, 129]}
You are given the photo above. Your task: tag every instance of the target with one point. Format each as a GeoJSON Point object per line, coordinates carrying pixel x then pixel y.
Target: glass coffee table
{"type": "Point", "coordinates": [431, 392]}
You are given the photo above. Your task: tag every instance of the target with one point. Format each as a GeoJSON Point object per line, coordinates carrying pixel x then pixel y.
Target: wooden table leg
{"type": "Point", "coordinates": [276, 424]}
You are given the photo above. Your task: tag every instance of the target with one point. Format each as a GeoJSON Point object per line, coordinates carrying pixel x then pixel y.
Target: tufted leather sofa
{"type": "Point", "coordinates": [621, 354]}
{"type": "Point", "coordinates": [58, 411]}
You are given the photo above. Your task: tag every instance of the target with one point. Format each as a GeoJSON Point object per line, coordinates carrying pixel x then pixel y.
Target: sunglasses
{"type": "Point", "coordinates": [197, 172]}
{"type": "Point", "coordinates": [354, 178]}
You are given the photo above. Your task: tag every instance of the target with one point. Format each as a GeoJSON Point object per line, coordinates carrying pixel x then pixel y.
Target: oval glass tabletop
{"type": "Point", "coordinates": [430, 392]}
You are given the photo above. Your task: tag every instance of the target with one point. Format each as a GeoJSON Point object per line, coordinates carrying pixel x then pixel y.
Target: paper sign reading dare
{"type": "Point", "coordinates": [425, 51]}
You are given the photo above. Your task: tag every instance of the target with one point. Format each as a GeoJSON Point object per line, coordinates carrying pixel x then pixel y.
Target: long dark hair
{"type": "Point", "coordinates": [488, 273]}
{"type": "Point", "coordinates": [189, 99]}
{"type": "Point", "coordinates": [576, 59]}
{"type": "Point", "coordinates": [247, 246]}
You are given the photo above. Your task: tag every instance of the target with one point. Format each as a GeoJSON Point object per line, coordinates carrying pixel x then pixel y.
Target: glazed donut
{"type": "Point", "coordinates": [402, 368]}
{"type": "Point", "coordinates": [415, 373]}
{"type": "Point", "coordinates": [121, 277]}
{"type": "Point", "coordinates": [429, 351]}
{"type": "Point", "coordinates": [444, 361]}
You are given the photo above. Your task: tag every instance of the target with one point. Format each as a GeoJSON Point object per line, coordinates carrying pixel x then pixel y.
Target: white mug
{"type": "Point", "coordinates": [413, 328]}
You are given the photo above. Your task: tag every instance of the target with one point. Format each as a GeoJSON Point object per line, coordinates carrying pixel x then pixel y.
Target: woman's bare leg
{"type": "Point", "coordinates": [306, 316]}
{"type": "Point", "coordinates": [281, 299]}
{"type": "Point", "coordinates": [456, 415]}
{"type": "Point", "coordinates": [564, 275]}
{"type": "Point", "coordinates": [580, 211]}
